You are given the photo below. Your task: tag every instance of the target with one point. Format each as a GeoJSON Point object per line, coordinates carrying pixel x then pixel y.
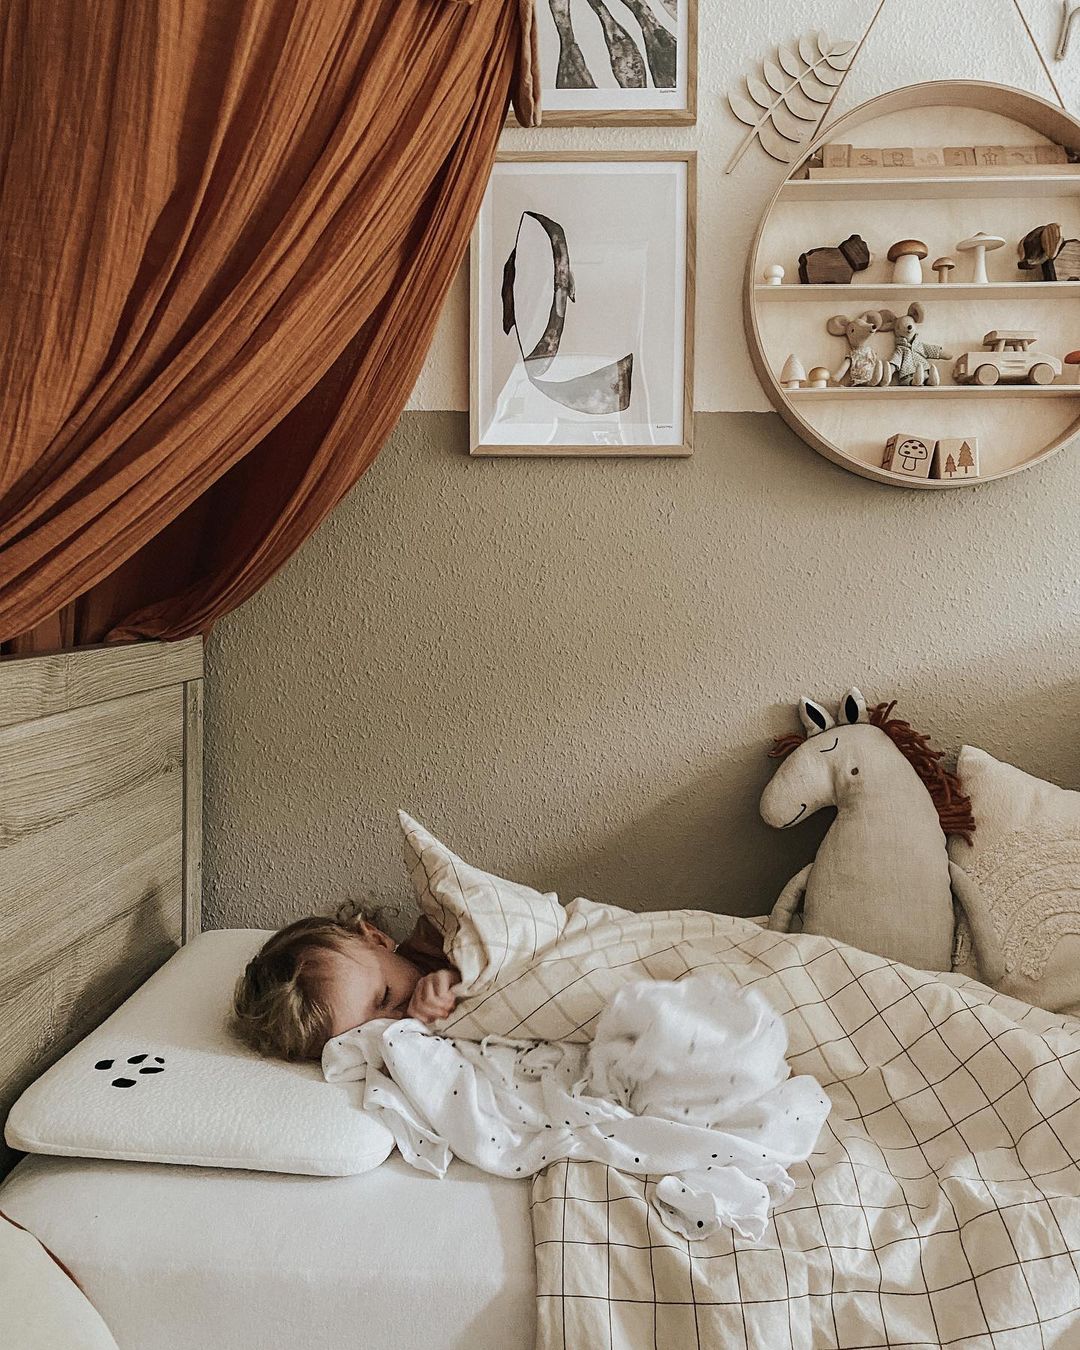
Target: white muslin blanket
{"type": "Point", "coordinates": [684, 1079]}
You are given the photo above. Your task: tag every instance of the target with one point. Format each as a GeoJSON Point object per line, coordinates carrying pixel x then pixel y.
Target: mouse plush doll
{"type": "Point", "coordinates": [882, 879]}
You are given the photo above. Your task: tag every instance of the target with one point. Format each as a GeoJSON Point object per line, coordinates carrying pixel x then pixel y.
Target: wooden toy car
{"type": "Point", "coordinates": [1006, 356]}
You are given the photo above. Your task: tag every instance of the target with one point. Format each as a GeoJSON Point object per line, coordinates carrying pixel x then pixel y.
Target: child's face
{"type": "Point", "coordinates": [365, 981]}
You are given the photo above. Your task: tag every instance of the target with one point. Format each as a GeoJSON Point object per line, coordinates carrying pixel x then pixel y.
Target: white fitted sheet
{"type": "Point", "coordinates": [184, 1258]}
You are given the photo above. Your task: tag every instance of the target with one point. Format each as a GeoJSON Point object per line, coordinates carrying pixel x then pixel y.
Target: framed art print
{"type": "Point", "coordinates": [617, 62]}
{"type": "Point", "coordinates": [582, 306]}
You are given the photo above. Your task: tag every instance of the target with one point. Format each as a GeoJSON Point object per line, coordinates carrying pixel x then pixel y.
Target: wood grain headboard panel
{"type": "Point", "coordinates": [100, 838]}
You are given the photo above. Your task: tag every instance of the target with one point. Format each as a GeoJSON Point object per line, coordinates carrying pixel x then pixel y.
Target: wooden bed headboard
{"type": "Point", "coordinates": [100, 838]}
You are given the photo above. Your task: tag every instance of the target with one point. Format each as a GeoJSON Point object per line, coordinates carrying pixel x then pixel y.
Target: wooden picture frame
{"type": "Point", "coordinates": [618, 110]}
{"type": "Point", "coordinates": [640, 403]}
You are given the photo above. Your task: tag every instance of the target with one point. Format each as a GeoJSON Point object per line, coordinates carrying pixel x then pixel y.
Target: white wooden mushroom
{"type": "Point", "coordinates": [980, 244]}
{"type": "Point", "coordinates": [793, 376]}
{"type": "Point", "coordinates": [906, 256]}
{"type": "Point", "coordinates": [774, 274]}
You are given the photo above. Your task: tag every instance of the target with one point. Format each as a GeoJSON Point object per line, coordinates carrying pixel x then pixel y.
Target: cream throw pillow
{"type": "Point", "coordinates": [1026, 859]}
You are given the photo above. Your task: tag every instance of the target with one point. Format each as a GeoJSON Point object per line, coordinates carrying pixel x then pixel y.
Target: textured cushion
{"type": "Point", "coordinates": [532, 969]}
{"type": "Point", "coordinates": [163, 1080]}
{"type": "Point", "coordinates": [43, 1307]}
{"type": "Point", "coordinates": [1026, 859]}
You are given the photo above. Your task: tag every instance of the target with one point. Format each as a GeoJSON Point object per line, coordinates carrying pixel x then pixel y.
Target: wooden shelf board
{"type": "Point", "coordinates": [881, 187]}
{"type": "Point", "coordinates": [939, 391]}
{"type": "Point", "coordinates": [929, 290]}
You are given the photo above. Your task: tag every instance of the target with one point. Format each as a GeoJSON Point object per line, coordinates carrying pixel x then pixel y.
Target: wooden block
{"type": "Point", "coordinates": [1021, 154]}
{"type": "Point", "coordinates": [928, 156]}
{"type": "Point", "coordinates": [959, 154]}
{"type": "Point", "coordinates": [862, 157]}
{"type": "Point", "coordinates": [956, 458]}
{"type": "Point", "coordinates": [1067, 262]}
{"type": "Point", "coordinates": [990, 154]}
{"type": "Point", "coordinates": [835, 156]}
{"type": "Point", "coordinates": [1051, 154]}
{"type": "Point", "coordinates": [908, 456]}
{"type": "Point", "coordinates": [897, 157]}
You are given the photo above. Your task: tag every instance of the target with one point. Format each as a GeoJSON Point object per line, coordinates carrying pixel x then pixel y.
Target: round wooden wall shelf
{"type": "Point", "coordinates": [1012, 425]}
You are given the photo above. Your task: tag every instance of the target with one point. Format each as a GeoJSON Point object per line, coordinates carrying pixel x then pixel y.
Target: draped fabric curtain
{"type": "Point", "coordinates": [227, 228]}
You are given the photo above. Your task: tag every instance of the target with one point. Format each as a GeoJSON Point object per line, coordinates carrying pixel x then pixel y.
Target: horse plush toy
{"type": "Point", "coordinates": [882, 879]}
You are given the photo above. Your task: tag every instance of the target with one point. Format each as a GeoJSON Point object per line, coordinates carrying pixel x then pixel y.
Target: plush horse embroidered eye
{"type": "Point", "coordinates": [856, 769]}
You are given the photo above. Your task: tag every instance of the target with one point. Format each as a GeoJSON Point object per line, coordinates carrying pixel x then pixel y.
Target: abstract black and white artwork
{"type": "Point", "coordinates": [616, 60]}
{"type": "Point", "coordinates": [580, 306]}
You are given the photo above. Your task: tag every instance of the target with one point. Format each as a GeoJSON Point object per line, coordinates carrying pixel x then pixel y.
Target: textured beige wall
{"type": "Point", "coordinates": [571, 670]}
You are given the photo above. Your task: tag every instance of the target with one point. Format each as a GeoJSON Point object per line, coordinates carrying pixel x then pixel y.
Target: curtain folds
{"type": "Point", "coordinates": [226, 233]}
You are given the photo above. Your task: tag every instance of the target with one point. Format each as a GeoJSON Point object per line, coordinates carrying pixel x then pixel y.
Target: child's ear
{"type": "Point", "coordinates": [374, 937]}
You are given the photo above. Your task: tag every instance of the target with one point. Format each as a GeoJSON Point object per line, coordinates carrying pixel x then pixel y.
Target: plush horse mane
{"type": "Point", "coordinates": [953, 806]}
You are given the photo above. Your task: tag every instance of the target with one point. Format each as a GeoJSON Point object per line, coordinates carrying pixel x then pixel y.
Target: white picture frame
{"type": "Point", "coordinates": [582, 305]}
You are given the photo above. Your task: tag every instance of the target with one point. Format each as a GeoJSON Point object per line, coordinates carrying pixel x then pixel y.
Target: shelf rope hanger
{"type": "Point", "coordinates": [1023, 20]}
{"type": "Point", "coordinates": [779, 108]}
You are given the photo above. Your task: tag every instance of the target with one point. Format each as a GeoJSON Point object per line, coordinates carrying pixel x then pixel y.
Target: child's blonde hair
{"type": "Point", "coordinates": [278, 1005]}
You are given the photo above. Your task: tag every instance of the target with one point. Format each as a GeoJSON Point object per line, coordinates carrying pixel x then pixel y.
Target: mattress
{"type": "Point", "coordinates": [186, 1258]}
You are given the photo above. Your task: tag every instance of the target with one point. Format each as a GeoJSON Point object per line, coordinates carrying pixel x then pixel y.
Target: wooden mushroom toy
{"type": "Point", "coordinates": [943, 266]}
{"type": "Point", "coordinates": [979, 245]}
{"type": "Point", "coordinates": [818, 378]}
{"type": "Point", "coordinates": [793, 375]}
{"type": "Point", "coordinates": [773, 274]}
{"type": "Point", "coordinates": [906, 256]}
{"type": "Point", "coordinates": [1072, 359]}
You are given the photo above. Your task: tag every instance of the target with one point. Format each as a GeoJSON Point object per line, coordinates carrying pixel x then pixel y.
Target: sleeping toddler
{"type": "Point", "coordinates": [319, 977]}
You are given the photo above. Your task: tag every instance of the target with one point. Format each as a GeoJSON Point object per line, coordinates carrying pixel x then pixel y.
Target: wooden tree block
{"type": "Point", "coordinates": [956, 458]}
{"type": "Point", "coordinates": [908, 456]}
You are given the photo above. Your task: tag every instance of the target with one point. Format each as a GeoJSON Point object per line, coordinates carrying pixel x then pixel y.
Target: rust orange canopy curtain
{"type": "Point", "coordinates": [226, 231]}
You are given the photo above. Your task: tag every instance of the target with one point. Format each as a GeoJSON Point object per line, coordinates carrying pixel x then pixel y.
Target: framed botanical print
{"type": "Point", "coordinates": [617, 62]}
{"type": "Point", "coordinates": [582, 305]}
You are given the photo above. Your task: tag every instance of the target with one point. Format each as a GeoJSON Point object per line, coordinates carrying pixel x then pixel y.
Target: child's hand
{"type": "Point", "coordinates": [432, 998]}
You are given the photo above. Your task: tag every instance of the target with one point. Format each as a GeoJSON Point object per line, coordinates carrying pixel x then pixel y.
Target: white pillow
{"type": "Point", "coordinates": [1025, 857]}
{"type": "Point", "coordinates": [164, 1080]}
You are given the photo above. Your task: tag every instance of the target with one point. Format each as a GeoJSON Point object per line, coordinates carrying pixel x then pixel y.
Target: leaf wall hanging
{"type": "Point", "coordinates": [785, 107]}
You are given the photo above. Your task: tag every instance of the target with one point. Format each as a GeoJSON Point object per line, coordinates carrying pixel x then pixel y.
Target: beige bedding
{"type": "Point", "coordinates": [941, 1208]}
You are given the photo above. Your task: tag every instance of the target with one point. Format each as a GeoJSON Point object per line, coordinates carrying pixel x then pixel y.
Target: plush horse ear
{"type": "Point", "coordinates": [853, 708]}
{"type": "Point", "coordinates": [814, 717]}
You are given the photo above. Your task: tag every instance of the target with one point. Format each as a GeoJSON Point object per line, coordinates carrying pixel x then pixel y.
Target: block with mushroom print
{"type": "Point", "coordinates": [909, 456]}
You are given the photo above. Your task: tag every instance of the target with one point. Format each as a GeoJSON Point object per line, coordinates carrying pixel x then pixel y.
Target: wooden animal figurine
{"type": "Point", "coordinates": [834, 266]}
{"type": "Point", "coordinates": [882, 879]}
{"type": "Point", "coordinates": [909, 455]}
{"type": "Point", "coordinates": [1056, 259]}
{"type": "Point", "coordinates": [911, 361]}
{"type": "Point", "coordinates": [956, 458]}
{"type": "Point", "coordinates": [863, 366]}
